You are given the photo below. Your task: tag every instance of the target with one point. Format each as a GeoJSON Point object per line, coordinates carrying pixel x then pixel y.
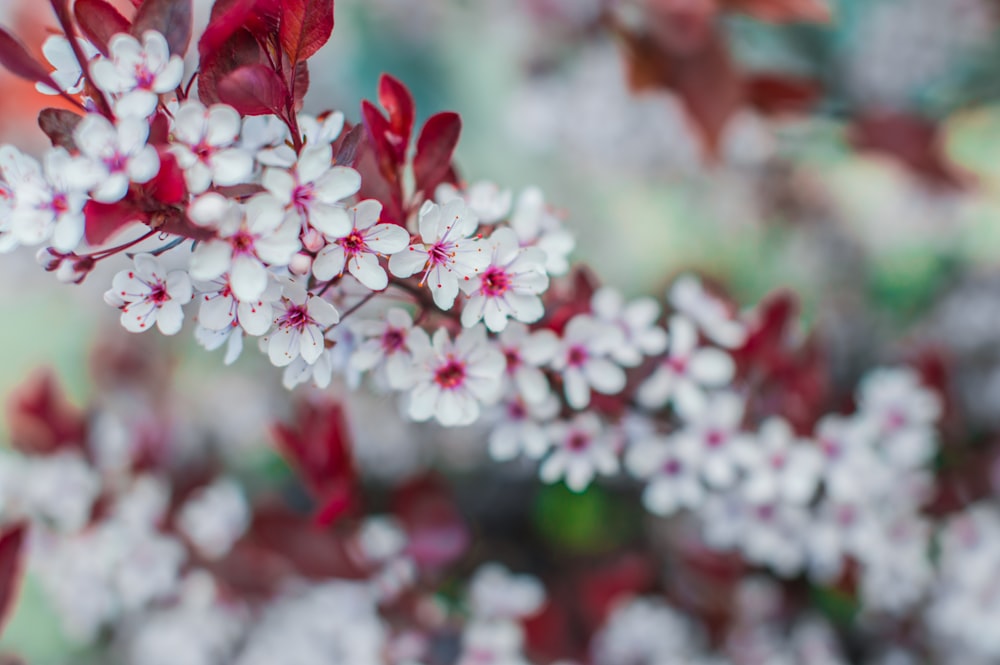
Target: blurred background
{"type": "Point", "coordinates": [842, 149]}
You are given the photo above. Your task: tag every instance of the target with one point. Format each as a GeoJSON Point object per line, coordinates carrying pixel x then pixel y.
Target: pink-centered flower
{"type": "Point", "coordinates": [448, 254]}
{"type": "Point", "coordinates": [670, 471]}
{"type": "Point", "coordinates": [384, 347]}
{"type": "Point", "coordinates": [581, 450]}
{"type": "Point", "coordinates": [137, 74]}
{"type": "Point", "coordinates": [67, 75]}
{"type": "Point", "coordinates": [118, 154]}
{"type": "Point", "coordinates": [301, 319]}
{"type": "Point", "coordinates": [453, 378]}
{"type": "Point", "coordinates": [204, 143]}
{"type": "Point", "coordinates": [508, 287]}
{"type": "Point", "coordinates": [583, 360]}
{"type": "Point", "coordinates": [358, 251]}
{"type": "Point", "coordinates": [314, 189]}
{"type": "Point", "coordinates": [148, 294]}
{"type": "Point", "coordinates": [526, 353]}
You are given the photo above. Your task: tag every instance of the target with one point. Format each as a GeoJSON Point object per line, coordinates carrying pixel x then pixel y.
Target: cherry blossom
{"type": "Point", "coordinates": [536, 226]}
{"type": "Point", "coordinates": [314, 189]}
{"type": "Point", "coordinates": [221, 310]}
{"type": "Point", "coordinates": [215, 517]}
{"type": "Point", "coordinates": [583, 361]}
{"type": "Point", "coordinates": [713, 434]}
{"type": "Point", "coordinates": [710, 314]}
{"type": "Point", "coordinates": [497, 594]}
{"type": "Point", "coordinates": [205, 146]}
{"type": "Point", "coordinates": [137, 74]}
{"type": "Point", "coordinates": [300, 320]}
{"type": "Point", "coordinates": [521, 428]}
{"type": "Point", "coordinates": [526, 353]}
{"type": "Point", "coordinates": [486, 200]}
{"type": "Point", "coordinates": [231, 338]}
{"type": "Point", "coordinates": [384, 348]}
{"type": "Point", "coordinates": [671, 473]}
{"type": "Point", "coordinates": [686, 371]}
{"type": "Point", "coordinates": [359, 249]}
{"type": "Point", "coordinates": [781, 467]}
{"type": "Point", "coordinates": [316, 131]}
{"type": "Point", "coordinates": [149, 294]}
{"type": "Point", "coordinates": [453, 378]}
{"type": "Point", "coordinates": [118, 152]}
{"type": "Point", "coordinates": [637, 321]}
{"type": "Point", "coordinates": [581, 450]}
{"type": "Point", "coordinates": [508, 287]}
{"type": "Point", "coordinates": [901, 413]}
{"type": "Point", "coordinates": [447, 256]}
{"type": "Point", "coordinates": [67, 75]}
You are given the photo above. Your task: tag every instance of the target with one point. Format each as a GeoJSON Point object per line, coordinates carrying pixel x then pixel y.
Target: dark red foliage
{"type": "Point", "coordinates": [396, 99]}
{"type": "Point", "coordinates": [169, 186]}
{"type": "Point", "coordinates": [104, 220]}
{"type": "Point", "coordinates": [41, 419]}
{"type": "Point", "coordinates": [775, 94]}
{"type": "Point", "coordinates": [306, 25]}
{"type": "Point", "coordinates": [59, 125]}
{"type": "Point", "coordinates": [170, 17]}
{"type": "Point", "coordinates": [783, 11]}
{"type": "Point", "coordinates": [254, 90]}
{"type": "Point", "coordinates": [435, 148]}
{"type": "Point", "coordinates": [99, 21]}
{"type": "Point", "coordinates": [437, 532]}
{"type": "Point", "coordinates": [914, 141]}
{"type": "Point", "coordinates": [11, 568]}
{"type": "Point", "coordinates": [228, 16]}
{"type": "Point", "coordinates": [318, 446]}
{"type": "Point", "coordinates": [240, 49]}
{"type": "Point", "coordinates": [16, 59]}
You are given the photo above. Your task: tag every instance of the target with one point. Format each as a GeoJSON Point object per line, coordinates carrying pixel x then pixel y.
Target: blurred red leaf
{"type": "Point", "coordinates": [11, 568]}
{"type": "Point", "coordinates": [318, 447]}
{"type": "Point", "coordinates": [396, 99]}
{"type": "Point", "coordinates": [41, 419]}
{"type": "Point", "coordinates": [58, 125]}
{"type": "Point", "coordinates": [438, 535]}
{"type": "Point", "coordinates": [16, 59]}
{"type": "Point", "coordinates": [103, 220]}
{"type": "Point", "coordinates": [346, 147]}
{"type": "Point", "coordinates": [775, 94]}
{"type": "Point", "coordinates": [378, 134]}
{"type": "Point", "coordinates": [914, 141]}
{"type": "Point", "coordinates": [99, 21]}
{"type": "Point", "coordinates": [172, 18]}
{"type": "Point", "coordinates": [227, 17]}
{"type": "Point", "coordinates": [306, 25]}
{"type": "Point", "coordinates": [254, 90]}
{"type": "Point", "coordinates": [435, 148]}
{"type": "Point", "coordinates": [783, 11]}
{"type": "Point", "coordinates": [168, 187]}
{"type": "Point", "coordinates": [300, 84]}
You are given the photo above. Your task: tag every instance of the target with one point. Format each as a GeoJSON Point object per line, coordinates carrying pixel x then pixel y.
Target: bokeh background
{"type": "Point", "coordinates": [873, 194]}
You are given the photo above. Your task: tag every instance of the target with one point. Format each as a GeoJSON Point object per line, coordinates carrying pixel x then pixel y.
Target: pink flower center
{"type": "Point", "coordinates": [516, 411]}
{"type": "Point", "coordinates": [302, 196]}
{"type": "Point", "coordinates": [672, 467]}
{"type": "Point", "coordinates": [450, 375]}
{"type": "Point", "coordinates": [895, 420]}
{"type": "Point", "coordinates": [440, 253]}
{"type": "Point", "coordinates": [297, 317]}
{"type": "Point", "coordinates": [158, 293]}
{"type": "Point", "coordinates": [577, 355]}
{"type": "Point", "coordinates": [116, 163]}
{"type": "Point", "coordinates": [353, 243]}
{"type": "Point", "coordinates": [829, 447]}
{"type": "Point", "coordinates": [765, 513]}
{"type": "Point", "coordinates": [243, 243]}
{"type": "Point", "coordinates": [513, 359]}
{"type": "Point", "coordinates": [393, 340]}
{"type": "Point", "coordinates": [715, 438]}
{"type": "Point", "coordinates": [203, 151]}
{"type": "Point", "coordinates": [144, 78]}
{"type": "Point", "coordinates": [778, 461]}
{"type": "Point", "coordinates": [677, 364]}
{"type": "Point", "coordinates": [577, 442]}
{"type": "Point", "coordinates": [495, 282]}
{"type": "Point", "coordinates": [59, 204]}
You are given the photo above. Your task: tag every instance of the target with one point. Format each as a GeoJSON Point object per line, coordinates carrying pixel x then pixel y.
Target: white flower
{"type": "Point", "coordinates": [671, 473]}
{"type": "Point", "coordinates": [583, 360]}
{"type": "Point", "coordinates": [447, 255]}
{"type": "Point", "coordinates": [901, 413]}
{"type": "Point", "coordinates": [359, 249]}
{"type": "Point", "coordinates": [521, 428]}
{"type": "Point", "coordinates": [231, 337]}
{"type": "Point", "coordinates": [582, 449]}
{"type": "Point", "coordinates": [118, 154]}
{"type": "Point", "coordinates": [526, 352]}
{"type": "Point", "coordinates": [67, 75]}
{"type": "Point", "coordinates": [637, 321]}
{"type": "Point", "coordinates": [259, 233]}
{"type": "Point", "coordinates": [301, 318]}
{"type": "Point", "coordinates": [536, 226]}
{"type": "Point", "coordinates": [781, 467]}
{"type": "Point", "coordinates": [215, 517]}
{"type": "Point", "coordinates": [271, 143]}
{"type": "Point", "coordinates": [686, 371]}
{"type": "Point", "coordinates": [384, 348]}
{"type": "Point", "coordinates": [452, 379]}
{"type": "Point", "coordinates": [137, 74]}
{"type": "Point", "coordinates": [850, 466]}
{"type": "Point", "coordinates": [713, 434]}
{"type": "Point", "coordinates": [496, 593]}
{"type": "Point", "coordinates": [489, 203]}
{"type": "Point", "coordinates": [204, 144]}
{"type": "Point", "coordinates": [151, 295]}
{"type": "Point", "coordinates": [710, 314]}
{"type": "Point", "coordinates": [508, 287]}
{"type": "Point", "coordinates": [220, 309]}
{"type": "Point", "coordinates": [314, 189]}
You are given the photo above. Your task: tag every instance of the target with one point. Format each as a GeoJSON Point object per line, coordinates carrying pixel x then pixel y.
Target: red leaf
{"type": "Point", "coordinates": [11, 568]}
{"type": "Point", "coordinates": [99, 22]}
{"type": "Point", "coordinates": [103, 220]}
{"type": "Point", "coordinates": [435, 148]}
{"type": "Point", "coordinates": [254, 90]}
{"type": "Point", "coordinates": [318, 447]}
{"type": "Point", "coordinates": [168, 187]}
{"type": "Point", "coordinates": [784, 11]}
{"type": "Point", "coordinates": [301, 84]}
{"type": "Point", "coordinates": [41, 419]}
{"type": "Point", "coordinates": [58, 125]}
{"type": "Point", "coordinates": [914, 141]}
{"type": "Point", "coordinates": [228, 16]}
{"type": "Point", "coordinates": [305, 26]}
{"type": "Point", "coordinates": [398, 102]}
{"type": "Point", "coordinates": [774, 94]}
{"type": "Point", "coordinates": [346, 148]}
{"type": "Point", "coordinates": [438, 535]}
{"type": "Point", "coordinates": [15, 57]}
{"type": "Point", "coordinates": [239, 50]}
{"type": "Point", "coordinates": [378, 135]}
{"type": "Point", "coordinates": [170, 17]}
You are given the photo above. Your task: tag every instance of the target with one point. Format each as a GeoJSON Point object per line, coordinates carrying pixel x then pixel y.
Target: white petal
{"type": "Point", "coordinates": [170, 318]}
{"type": "Point", "coordinates": [248, 278]}
{"type": "Point", "coordinates": [408, 262]}
{"type": "Point", "coordinates": [366, 269]}
{"type": "Point", "coordinates": [211, 259]}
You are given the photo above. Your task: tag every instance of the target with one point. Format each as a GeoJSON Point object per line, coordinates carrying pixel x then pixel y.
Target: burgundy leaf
{"type": "Point", "coordinates": [347, 150]}
{"type": "Point", "coordinates": [58, 125]}
{"type": "Point", "coordinates": [103, 220]}
{"type": "Point", "coordinates": [99, 22]}
{"type": "Point", "coordinates": [305, 26]}
{"type": "Point", "coordinates": [168, 187]}
{"type": "Point", "coordinates": [41, 420]}
{"type": "Point", "coordinates": [783, 11]}
{"type": "Point", "coordinates": [228, 16]}
{"type": "Point", "coordinates": [396, 99]}
{"type": "Point", "coordinates": [437, 532]}
{"type": "Point", "coordinates": [254, 90]}
{"type": "Point", "coordinates": [170, 17]}
{"type": "Point", "coordinates": [912, 140]}
{"type": "Point", "coordinates": [239, 50]}
{"type": "Point", "coordinates": [435, 147]}
{"type": "Point", "coordinates": [15, 57]}
{"type": "Point", "coordinates": [300, 85]}
{"type": "Point", "coordinates": [775, 94]}
{"type": "Point", "coordinates": [378, 134]}
{"type": "Point", "coordinates": [11, 568]}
